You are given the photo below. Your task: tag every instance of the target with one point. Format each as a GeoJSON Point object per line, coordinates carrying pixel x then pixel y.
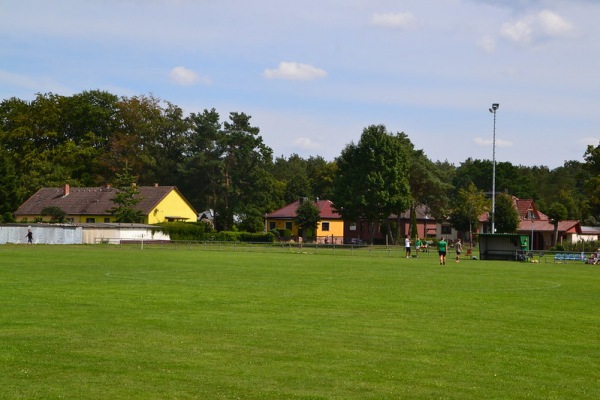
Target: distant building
{"type": "Point", "coordinates": [427, 227]}
{"type": "Point", "coordinates": [92, 204]}
{"type": "Point", "coordinates": [537, 225]}
{"type": "Point", "coordinates": [329, 230]}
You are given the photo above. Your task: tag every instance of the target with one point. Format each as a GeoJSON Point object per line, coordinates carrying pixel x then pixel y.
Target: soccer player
{"type": "Point", "coordinates": [458, 248]}
{"type": "Point", "coordinates": [442, 248]}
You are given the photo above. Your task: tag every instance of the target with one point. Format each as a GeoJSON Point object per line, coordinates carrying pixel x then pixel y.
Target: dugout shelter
{"type": "Point", "coordinates": [503, 246]}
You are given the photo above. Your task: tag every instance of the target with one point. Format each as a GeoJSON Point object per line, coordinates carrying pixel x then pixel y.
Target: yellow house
{"type": "Point", "coordinates": [92, 204]}
{"type": "Point", "coordinates": [329, 230]}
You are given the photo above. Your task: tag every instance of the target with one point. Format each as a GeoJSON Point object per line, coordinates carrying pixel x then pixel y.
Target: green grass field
{"type": "Point", "coordinates": [109, 322]}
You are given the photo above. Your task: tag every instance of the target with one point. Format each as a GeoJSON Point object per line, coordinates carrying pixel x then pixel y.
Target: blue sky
{"type": "Point", "coordinates": [314, 73]}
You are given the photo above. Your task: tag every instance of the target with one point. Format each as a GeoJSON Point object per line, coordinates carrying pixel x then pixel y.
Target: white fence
{"type": "Point", "coordinates": [87, 234]}
{"type": "Point", "coordinates": [42, 234]}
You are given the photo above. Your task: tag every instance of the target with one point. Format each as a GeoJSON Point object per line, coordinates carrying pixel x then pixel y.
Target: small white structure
{"type": "Point", "coordinates": [114, 233]}
{"type": "Point", "coordinates": [588, 234]}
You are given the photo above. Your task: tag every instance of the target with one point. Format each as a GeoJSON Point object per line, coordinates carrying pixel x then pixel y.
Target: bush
{"type": "Point", "coordinates": [187, 230]}
{"type": "Point", "coordinates": [229, 236]}
{"type": "Point", "coordinates": [202, 231]}
{"type": "Point", "coordinates": [558, 247]}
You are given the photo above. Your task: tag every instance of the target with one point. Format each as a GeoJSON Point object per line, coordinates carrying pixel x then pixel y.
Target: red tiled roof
{"type": "Point", "coordinates": [547, 226]}
{"type": "Point", "coordinates": [326, 210]}
{"type": "Point", "coordinates": [541, 223]}
{"type": "Point", "coordinates": [523, 205]}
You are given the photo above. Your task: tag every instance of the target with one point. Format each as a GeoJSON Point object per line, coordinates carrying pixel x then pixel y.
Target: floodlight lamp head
{"type": "Point", "coordinates": [495, 106]}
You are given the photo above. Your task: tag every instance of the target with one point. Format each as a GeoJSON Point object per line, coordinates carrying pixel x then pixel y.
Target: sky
{"type": "Point", "coordinates": [313, 74]}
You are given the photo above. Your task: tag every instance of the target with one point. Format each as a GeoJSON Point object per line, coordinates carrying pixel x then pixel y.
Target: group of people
{"type": "Point", "coordinates": [420, 245]}
{"type": "Point", "coordinates": [443, 249]}
{"type": "Point", "coordinates": [442, 246]}
{"type": "Point", "coordinates": [594, 258]}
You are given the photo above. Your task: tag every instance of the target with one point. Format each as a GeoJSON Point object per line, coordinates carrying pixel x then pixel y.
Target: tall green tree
{"type": "Point", "coordinates": [200, 170]}
{"type": "Point", "coordinates": [307, 217]}
{"type": "Point", "coordinates": [136, 126]}
{"type": "Point", "coordinates": [468, 205]}
{"type": "Point", "coordinates": [126, 197]}
{"type": "Point", "coordinates": [292, 172]}
{"type": "Point", "coordinates": [230, 166]}
{"type": "Point", "coordinates": [321, 174]}
{"type": "Point", "coordinates": [507, 217]}
{"type": "Point", "coordinates": [556, 212]}
{"type": "Point", "coordinates": [509, 178]}
{"type": "Point", "coordinates": [592, 183]}
{"type": "Point", "coordinates": [372, 181]}
{"type": "Point", "coordinates": [11, 194]}
{"type": "Point", "coordinates": [427, 186]}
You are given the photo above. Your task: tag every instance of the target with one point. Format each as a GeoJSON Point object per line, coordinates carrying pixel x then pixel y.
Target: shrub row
{"type": "Point", "coordinates": [202, 231]}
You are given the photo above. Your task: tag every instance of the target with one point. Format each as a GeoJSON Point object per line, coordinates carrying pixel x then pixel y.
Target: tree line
{"type": "Point", "coordinates": [223, 164]}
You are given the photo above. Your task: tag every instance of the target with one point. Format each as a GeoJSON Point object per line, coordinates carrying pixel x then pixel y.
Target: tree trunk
{"type": "Point", "coordinates": [390, 233]}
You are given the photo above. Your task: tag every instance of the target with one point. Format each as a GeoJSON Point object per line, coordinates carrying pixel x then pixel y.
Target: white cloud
{"type": "Point", "coordinates": [554, 25]}
{"type": "Point", "coordinates": [186, 77]}
{"type": "Point", "coordinates": [541, 26]}
{"type": "Point", "coordinates": [306, 144]}
{"type": "Point", "coordinates": [404, 20]}
{"type": "Point", "coordinates": [294, 71]}
{"type": "Point", "coordinates": [484, 142]}
{"type": "Point", "coordinates": [519, 32]}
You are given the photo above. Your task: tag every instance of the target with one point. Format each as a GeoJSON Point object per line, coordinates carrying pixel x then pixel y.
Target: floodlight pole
{"type": "Point", "coordinates": [493, 111]}
{"type": "Point", "coordinates": [531, 245]}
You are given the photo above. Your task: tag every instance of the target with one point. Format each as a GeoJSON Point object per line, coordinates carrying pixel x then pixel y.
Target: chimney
{"type": "Point", "coordinates": [67, 189]}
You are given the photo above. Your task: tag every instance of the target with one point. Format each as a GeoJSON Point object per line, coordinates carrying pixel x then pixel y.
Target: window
{"type": "Point", "coordinates": [325, 226]}
{"type": "Point", "coordinates": [353, 226]}
{"type": "Point", "coordinates": [107, 219]}
{"type": "Point", "coordinates": [271, 225]}
{"type": "Point", "coordinates": [446, 229]}
{"type": "Point", "coordinates": [90, 220]}
{"type": "Point", "coordinates": [288, 225]}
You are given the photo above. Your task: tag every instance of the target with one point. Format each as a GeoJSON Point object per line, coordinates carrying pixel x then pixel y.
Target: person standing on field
{"type": "Point", "coordinates": [407, 246]}
{"type": "Point", "coordinates": [442, 248]}
{"type": "Point", "coordinates": [29, 237]}
{"type": "Point", "coordinates": [458, 248]}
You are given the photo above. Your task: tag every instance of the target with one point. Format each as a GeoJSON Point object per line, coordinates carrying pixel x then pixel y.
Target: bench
{"type": "Point", "coordinates": [566, 257]}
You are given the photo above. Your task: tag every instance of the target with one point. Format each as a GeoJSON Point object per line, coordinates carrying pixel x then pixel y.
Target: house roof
{"type": "Point", "coordinates": [590, 230]}
{"type": "Point", "coordinates": [91, 200]}
{"type": "Point", "coordinates": [523, 206]}
{"type": "Point", "coordinates": [527, 225]}
{"type": "Point", "coordinates": [540, 223]}
{"type": "Point", "coordinates": [326, 210]}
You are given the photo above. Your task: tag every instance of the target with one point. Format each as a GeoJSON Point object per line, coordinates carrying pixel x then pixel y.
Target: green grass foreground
{"type": "Point", "coordinates": [109, 322]}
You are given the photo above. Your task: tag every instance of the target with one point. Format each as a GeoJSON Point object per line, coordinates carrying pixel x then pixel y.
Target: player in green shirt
{"type": "Point", "coordinates": [442, 248]}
